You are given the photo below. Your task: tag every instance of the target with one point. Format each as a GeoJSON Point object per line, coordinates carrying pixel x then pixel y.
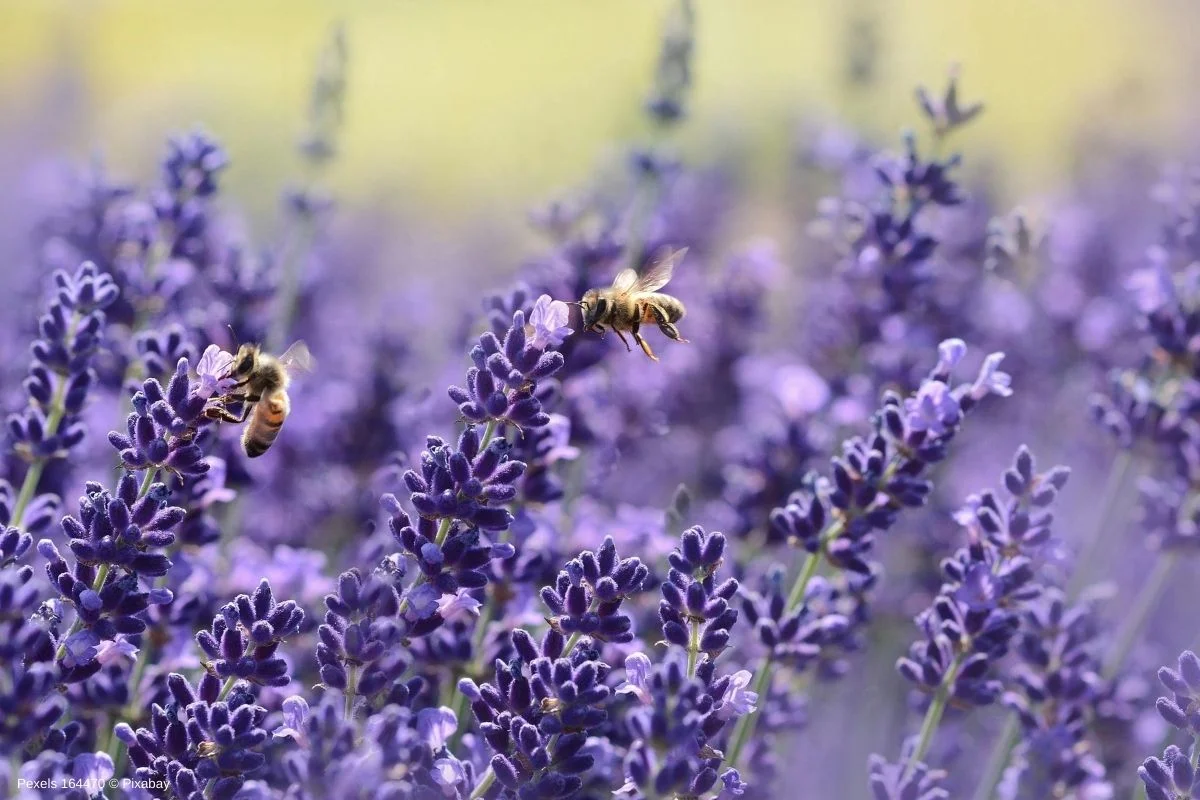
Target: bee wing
{"type": "Point", "coordinates": [297, 358]}
{"type": "Point", "coordinates": [658, 274]}
{"type": "Point", "coordinates": [626, 279]}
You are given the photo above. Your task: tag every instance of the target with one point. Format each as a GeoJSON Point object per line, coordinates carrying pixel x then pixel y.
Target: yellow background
{"type": "Point", "coordinates": [462, 106]}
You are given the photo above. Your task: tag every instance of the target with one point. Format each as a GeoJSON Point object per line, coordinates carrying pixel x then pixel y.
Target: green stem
{"type": "Point", "coordinates": [147, 482]}
{"type": "Point", "coordinates": [351, 690]}
{"type": "Point", "coordinates": [1143, 605]}
{"type": "Point", "coordinates": [58, 410]}
{"type": "Point", "coordinates": [442, 532]}
{"type": "Point", "coordinates": [226, 687]}
{"type": "Point", "coordinates": [444, 526]}
{"type": "Point", "coordinates": [485, 783]}
{"type": "Point", "coordinates": [456, 700]}
{"type": "Point", "coordinates": [998, 759]}
{"type": "Point", "coordinates": [807, 572]}
{"type": "Point", "coordinates": [745, 725]}
{"type": "Point", "coordinates": [693, 648]}
{"type": "Point", "coordinates": [1114, 487]}
{"type": "Point", "coordinates": [933, 716]}
{"type": "Point", "coordinates": [489, 432]}
{"type": "Point", "coordinates": [101, 576]}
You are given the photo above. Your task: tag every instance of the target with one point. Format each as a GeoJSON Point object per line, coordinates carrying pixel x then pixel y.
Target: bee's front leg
{"type": "Point", "coordinates": [624, 341]}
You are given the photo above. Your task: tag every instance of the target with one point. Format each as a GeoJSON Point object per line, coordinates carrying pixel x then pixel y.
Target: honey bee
{"type": "Point", "coordinates": [633, 300]}
{"type": "Point", "coordinates": [261, 388]}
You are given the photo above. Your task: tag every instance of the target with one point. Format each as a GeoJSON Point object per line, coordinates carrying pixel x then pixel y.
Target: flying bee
{"type": "Point", "coordinates": [261, 389]}
{"type": "Point", "coordinates": [634, 300]}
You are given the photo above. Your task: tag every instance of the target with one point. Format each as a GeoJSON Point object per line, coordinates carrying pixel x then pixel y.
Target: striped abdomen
{"type": "Point", "coordinates": [265, 422]}
{"type": "Point", "coordinates": [659, 308]}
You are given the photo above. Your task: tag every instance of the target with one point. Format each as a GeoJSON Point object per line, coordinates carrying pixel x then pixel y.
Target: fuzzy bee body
{"type": "Point", "coordinates": [262, 384]}
{"type": "Point", "coordinates": [633, 301]}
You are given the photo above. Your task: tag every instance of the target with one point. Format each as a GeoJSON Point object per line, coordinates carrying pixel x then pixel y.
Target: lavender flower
{"type": "Point", "coordinates": [244, 638]}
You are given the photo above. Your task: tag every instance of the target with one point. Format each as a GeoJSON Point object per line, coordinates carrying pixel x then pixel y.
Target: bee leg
{"type": "Point", "coordinates": [645, 346]}
{"type": "Point", "coordinates": [670, 331]}
{"type": "Point", "coordinates": [624, 341]}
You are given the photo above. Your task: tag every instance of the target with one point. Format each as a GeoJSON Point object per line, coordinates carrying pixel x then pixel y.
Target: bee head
{"type": "Point", "coordinates": [244, 361]}
{"type": "Point", "coordinates": [594, 308]}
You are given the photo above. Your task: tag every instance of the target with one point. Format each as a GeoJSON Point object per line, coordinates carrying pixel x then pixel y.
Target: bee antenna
{"type": "Point", "coordinates": [233, 335]}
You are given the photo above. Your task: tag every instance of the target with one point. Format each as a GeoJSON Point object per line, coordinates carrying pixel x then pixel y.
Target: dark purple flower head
{"type": "Point", "coordinates": [60, 374]}
{"type": "Point", "coordinates": [695, 610]}
{"type": "Point", "coordinates": [972, 622]}
{"type": "Point", "coordinates": [897, 781]}
{"type": "Point", "coordinates": [946, 112]}
{"type": "Point", "coordinates": [1182, 709]}
{"type": "Point", "coordinates": [537, 713]}
{"type": "Point", "coordinates": [1170, 778]}
{"type": "Point", "coordinates": [199, 744]}
{"type": "Point", "coordinates": [470, 483]}
{"type": "Point", "coordinates": [192, 164]}
{"type": "Point", "coordinates": [244, 638]}
{"type": "Point", "coordinates": [587, 595]}
{"type": "Point", "coordinates": [878, 476]}
{"type": "Point", "coordinates": [361, 650]}
{"type": "Point", "coordinates": [162, 429]}
{"type": "Point", "coordinates": [501, 386]}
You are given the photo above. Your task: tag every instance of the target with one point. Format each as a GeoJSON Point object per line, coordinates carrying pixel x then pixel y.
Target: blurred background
{"type": "Point", "coordinates": [462, 111]}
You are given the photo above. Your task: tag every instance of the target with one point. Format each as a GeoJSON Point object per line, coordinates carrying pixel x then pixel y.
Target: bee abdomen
{"type": "Point", "coordinates": [664, 308]}
{"type": "Point", "coordinates": [265, 425]}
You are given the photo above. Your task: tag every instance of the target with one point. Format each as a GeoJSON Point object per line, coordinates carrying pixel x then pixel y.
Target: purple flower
{"type": "Point", "coordinates": [111, 651]}
{"type": "Point", "coordinates": [213, 372]}
{"type": "Point", "coordinates": [94, 769]}
{"type": "Point", "coordinates": [991, 380]}
{"type": "Point", "coordinates": [637, 676]}
{"type": "Point", "coordinates": [448, 773]}
{"type": "Point", "coordinates": [423, 601]}
{"type": "Point", "coordinates": [548, 323]}
{"type": "Point", "coordinates": [460, 605]}
{"type": "Point", "coordinates": [732, 785]}
{"type": "Point", "coordinates": [81, 648]}
{"type": "Point", "coordinates": [950, 352]}
{"type": "Point", "coordinates": [737, 701]}
{"type": "Point", "coordinates": [436, 726]}
{"type": "Point", "coordinates": [295, 713]}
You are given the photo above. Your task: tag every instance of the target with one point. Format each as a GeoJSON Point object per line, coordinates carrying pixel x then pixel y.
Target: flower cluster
{"type": "Point", "coordinates": [60, 375]}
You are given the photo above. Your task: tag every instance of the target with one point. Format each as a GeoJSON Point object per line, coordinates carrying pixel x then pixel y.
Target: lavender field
{"type": "Point", "coordinates": [881, 483]}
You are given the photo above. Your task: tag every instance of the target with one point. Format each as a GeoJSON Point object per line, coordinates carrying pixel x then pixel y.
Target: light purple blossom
{"type": "Point", "coordinates": [111, 651]}
{"type": "Point", "coordinates": [950, 352]}
{"type": "Point", "coordinates": [637, 678]}
{"type": "Point", "coordinates": [738, 701]}
{"type": "Point", "coordinates": [932, 408]}
{"type": "Point", "coordinates": [80, 648]}
{"type": "Point", "coordinates": [93, 769]}
{"type": "Point", "coordinates": [549, 322]}
{"type": "Point", "coordinates": [212, 372]}
{"type": "Point", "coordinates": [448, 773]}
{"type": "Point", "coordinates": [460, 605]}
{"type": "Point", "coordinates": [423, 601]}
{"type": "Point", "coordinates": [436, 726]}
{"type": "Point", "coordinates": [991, 379]}
{"type": "Point", "coordinates": [732, 785]}
{"type": "Point", "coordinates": [295, 712]}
